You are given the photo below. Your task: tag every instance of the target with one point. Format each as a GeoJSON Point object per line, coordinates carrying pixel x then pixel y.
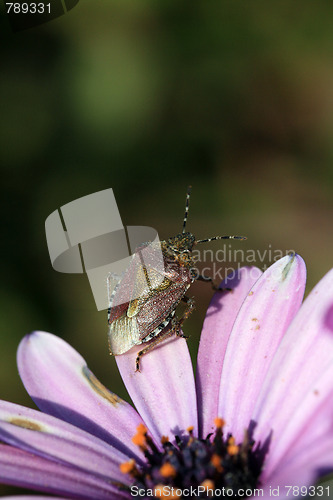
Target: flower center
{"type": "Point", "coordinates": [214, 466]}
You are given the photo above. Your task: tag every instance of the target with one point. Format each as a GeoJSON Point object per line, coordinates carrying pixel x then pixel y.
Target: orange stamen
{"type": "Point", "coordinates": [219, 423]}
{"type": "Point", "coordinates": [190, 429]}
{"type": "Point", "coordinates": [208, 484]}
{"type": "Point", "coordinates": [164, 439]}
{"type": "Point", "coordinates": [232, 448]}
{"type": "Point", "coordinates": [139, 440]}
{"type": "Point", "coordinates": [141, 429]}
{"type": "Point", "coordinates": [127, 467]}
{"type": "Point", "coordinates": [168, 470]}
{"type": "Point", "coordinates": [216, 461]}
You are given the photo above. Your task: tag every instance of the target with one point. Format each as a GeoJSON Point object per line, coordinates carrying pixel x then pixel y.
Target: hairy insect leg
{"type": "Point", "coordinates": [162, 336]}
{"type": "Point", "coordinates": [178, 322]}
{"type": "Point", "coordinates": [175, 328]}
{"type": "Point", "coordinates": [214, 286]}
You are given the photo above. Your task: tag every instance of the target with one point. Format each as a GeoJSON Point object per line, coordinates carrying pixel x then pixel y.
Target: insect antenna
{"type": "Point", "coordinates": [222, 238]}
{"type": "Point", "coordinates": [186, 207]}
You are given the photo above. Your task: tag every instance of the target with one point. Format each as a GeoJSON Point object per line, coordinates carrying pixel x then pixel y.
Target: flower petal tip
{"type": "Point", "coordinates": [288, 267]}
{"type": "Point", "coordinates": [291, 261]}
{"type": "Point", "coordinates": [34, 335]}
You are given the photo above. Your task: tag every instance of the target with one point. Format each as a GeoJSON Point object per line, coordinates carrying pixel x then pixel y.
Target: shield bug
{"type": "Point", "coordinates": [144, 302]}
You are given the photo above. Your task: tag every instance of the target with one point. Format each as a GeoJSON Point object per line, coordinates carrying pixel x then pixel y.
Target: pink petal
{"type": "Point", "coordinates": [309, 448]}
{"type": "Point", "coordinates": [306, 468]}
{"type": "Point", "coordinates": [259, 327]}
{"type": "Point", "coordinates": [20, 468]}
{"type": "Point", "coordinates": [300, 378]}
{"type": "Point", "coordinates": [59, 381]}
{"type": "Point", "coordinates": [163, 392]}
{"type": "Point", "coordinates": [49, 437]}
{"type": "Point", "coordinates": [217, 326]}
{"type": "Point", "coordinates": [317, 429]}
{"type": "Point", "coordinates": [305, 463]}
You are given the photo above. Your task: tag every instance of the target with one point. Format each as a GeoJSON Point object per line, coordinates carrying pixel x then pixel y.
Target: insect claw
{"type": "Point", "coordinates": [137, 363]}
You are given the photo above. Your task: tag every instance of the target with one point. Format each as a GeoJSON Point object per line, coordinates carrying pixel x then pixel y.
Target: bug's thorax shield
{"type": "Point", "coordinates": [182, 242]}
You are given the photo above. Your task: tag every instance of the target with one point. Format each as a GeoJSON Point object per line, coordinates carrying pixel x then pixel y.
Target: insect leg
{"type": "Point", "coordinates": [177, 323]}
{"type": "Point", "coordinates": [210, 280]}
{"type": "Point", "coordinates": [152, 345]}
{"type": "Point", "coordinates": [176, 326]}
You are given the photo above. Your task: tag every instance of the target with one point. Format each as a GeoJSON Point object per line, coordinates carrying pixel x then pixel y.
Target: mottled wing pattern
{"type": "Point", "coordinates": [132, 285]}
{"type": "Point", "coordinates": [116, 311]}
{"type": "Point", "coordinates": [157, 308]}
{"type": "Point", "coordinates": [145, 296]}
{"type": "Point", "coordinates": [144, 275]}
{"type": "Point", "coordinates": [135, 288]}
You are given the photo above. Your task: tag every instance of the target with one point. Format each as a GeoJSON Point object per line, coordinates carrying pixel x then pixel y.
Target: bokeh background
{"type": "Point", "coordinates": [235, 98]}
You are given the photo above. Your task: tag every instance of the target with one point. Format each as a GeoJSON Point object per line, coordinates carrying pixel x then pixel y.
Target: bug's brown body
{"type": "Point", "coordinates": [156, 294]}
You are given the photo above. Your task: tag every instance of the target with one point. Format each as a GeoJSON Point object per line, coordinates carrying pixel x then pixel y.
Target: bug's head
{"type": "Point", "coordinates": [181, 243]}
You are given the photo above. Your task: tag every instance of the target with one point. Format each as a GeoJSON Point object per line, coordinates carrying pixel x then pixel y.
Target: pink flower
{"type": "Point", "coordinates": [264, 364]}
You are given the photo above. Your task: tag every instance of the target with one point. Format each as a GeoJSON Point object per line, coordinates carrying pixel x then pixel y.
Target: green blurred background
{"type": "Point", "coordinates": [235, 98]}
